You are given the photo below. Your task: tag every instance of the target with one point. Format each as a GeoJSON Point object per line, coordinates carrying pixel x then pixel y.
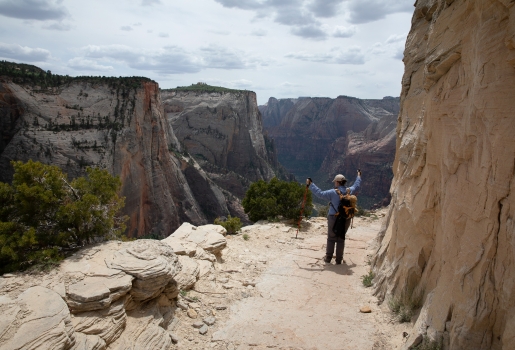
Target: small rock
{"type": "Point", "coordinates": [250, 287]}
{"type": "Point", "coordinates": [213, 312]}
{"type": "Point", "coordinates": [175, 338]}
{"type": "Point", "coordinates": [246, 250]}
{"type": "Point", "coordinates": [209, 321]}
{"type": "Point", "coordinates": [198, 324]}
{"type": "Point", "coordinates": [220, 307]}
{"type": "Point", "coordinates": [8, 275]}
{"type": "Point", "coordinates": [280, 241]}
{"type": "Point", "coordinates": [194, 305]}
{"type": "Point", "coordinates": [203, 330]}
{"type": "Point", "coordinates": [181, 304]}
{"type": "Point", "coordinates": [192, 313]}
{"type": "Point", "coordinates": [365, 309]}
{"type": "Point", "coordinates": [227, 286]}
{"type": "Point", "coordinates": [245, 295]}
{"type": "Point", "coordinates": [223, 280]}
{"type": "Point", "coordinates": [249, 283]}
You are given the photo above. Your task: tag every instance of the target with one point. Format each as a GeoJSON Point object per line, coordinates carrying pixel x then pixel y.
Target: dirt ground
{"type": "Point", "coordinates": [270, 290]}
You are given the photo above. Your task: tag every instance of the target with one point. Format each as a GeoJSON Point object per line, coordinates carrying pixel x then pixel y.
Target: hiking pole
{"type": "Point", "coordinates": [301, 211]}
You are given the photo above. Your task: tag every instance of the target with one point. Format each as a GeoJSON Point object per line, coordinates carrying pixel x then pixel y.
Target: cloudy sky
{"type": "Point", "coordinates": [280, 48]}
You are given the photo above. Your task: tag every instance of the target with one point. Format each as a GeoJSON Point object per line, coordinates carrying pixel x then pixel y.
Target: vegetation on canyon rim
{"type": "Point", "coordinates": [43, 213]}
{"type": "Point", "coordinates": [269, 200]}
{"type": "Point", "coordinates": [232, 225]}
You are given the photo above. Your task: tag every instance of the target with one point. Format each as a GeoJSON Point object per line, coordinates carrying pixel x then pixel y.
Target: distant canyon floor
{"type": "Point", "coordinates": [270, 290]}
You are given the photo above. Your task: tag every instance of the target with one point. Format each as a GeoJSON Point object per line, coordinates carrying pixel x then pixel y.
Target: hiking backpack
{"type": "Point", "coordinates": [346, 210]}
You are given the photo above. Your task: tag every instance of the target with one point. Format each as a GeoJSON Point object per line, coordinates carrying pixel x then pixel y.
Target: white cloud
{"type": "Point", "coordinates": [396, 38]}
{"type": "Point", "coordinates": [24, 53]}
{"type": "Point", "coordinates": [325, 8]}
{"type": "Point", "coordinates": [126, 28]}
{"type": "Point", "coordinates": [363, 11]}
{"type": "Point", "coordinates": [351, 55]}
{"type": "Point", "coordinates": [309, 32]}
{"type": "Point", "coordinates": [344, 32]}
{"type": "Point", "coordinates": [60, 26]}
{"type": "Point", "coordinates": [288, 85]}
{"type": "Point", "coordinates": [259, 32]}
{"type": "Point", "coordinates": [150, 2]}
{"type": "Point", "coordinates": [164, 35]}
{"type": "Point", "coordinates": [40, 10]}
{"type": "Point", "coordinates": [174, 59]}
{"type": "Point", "coordinates": [80, 63]}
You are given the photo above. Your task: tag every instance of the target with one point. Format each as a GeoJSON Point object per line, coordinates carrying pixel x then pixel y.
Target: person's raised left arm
{"type": "Point", "coordinates": [357, 184]}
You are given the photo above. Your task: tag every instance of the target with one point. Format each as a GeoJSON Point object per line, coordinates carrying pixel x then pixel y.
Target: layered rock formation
{"type": "Point", "coordinates": [372, 151]}
{"type": "Point", "coordinates": [110, 296]}
{"type": "Point", "coordinates": [115, 124]}
{"type": "Point", "coordinates": [320, 137]}
{"type": "Point", "coordinates": [450, 231]}
{"type": "Point", "coordinates": [223, 132]}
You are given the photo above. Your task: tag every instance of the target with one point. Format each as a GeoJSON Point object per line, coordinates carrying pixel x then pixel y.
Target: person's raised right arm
{"type": "Point", "coordinates": [317, 191]}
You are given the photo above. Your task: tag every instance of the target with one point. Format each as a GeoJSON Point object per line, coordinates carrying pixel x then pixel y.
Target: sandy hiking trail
{"type": "Point", "coordinates": [274, 291]}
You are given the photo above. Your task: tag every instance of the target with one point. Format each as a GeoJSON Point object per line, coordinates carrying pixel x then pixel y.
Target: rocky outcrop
{"type": "Point", "coordinates": [223, 132]}
{"type": "Point", "coordinates": [321, 137]}
{"type": "Point", "coordinates": [449, 235]}
{"type": "Point", "coordinates": [113, 123]}
{"type": "Point", "coordinates": [112, 295]}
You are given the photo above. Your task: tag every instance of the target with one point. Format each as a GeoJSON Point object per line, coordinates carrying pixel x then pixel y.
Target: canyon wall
{"type": "Point", "coordinates": [321, 137]}
{"type": "Point", "coordinates": [223, 132]}
{"type": "Point", "coordinates": [450, 233]}
{"type": "Point", "coordinates": [116, 124]}
{"type": "Point", "coordinates": [372, 151]}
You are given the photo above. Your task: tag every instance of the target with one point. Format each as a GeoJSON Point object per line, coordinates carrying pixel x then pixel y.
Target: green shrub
{"type": "Point", "coordinates": [405, 305]}
{"type": "Point", "coordinates": [267, 201]}
{"type": "Point", "coordinates": [428, 344]}
{"type": "Point", "coordinates": [246, 237]}
{"type": "Point", "coordinates": [42, 213]}
{"type": "Point", "coordinates": [367, 279]}
{"type": "Point", "coordinates": [232, 225]}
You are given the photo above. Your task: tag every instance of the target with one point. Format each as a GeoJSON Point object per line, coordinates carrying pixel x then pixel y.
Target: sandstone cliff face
{"type": "Point", "coordinates": [450, 232]}
{"type": "Point", "coordinates": [115, 124]}
{"type": "Point", "coordinates": [321, 137]}
{"type": "Point", "coordinates": [223, 132]}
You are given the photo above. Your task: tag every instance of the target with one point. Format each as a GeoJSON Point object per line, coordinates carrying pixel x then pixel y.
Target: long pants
{"type": "Point", "coordinates": [333, 240]}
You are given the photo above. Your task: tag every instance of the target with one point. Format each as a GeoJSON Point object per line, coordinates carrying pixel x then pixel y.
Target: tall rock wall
{"type": "Point", "coordinates": [115, 124]}
{"type": "Point", "coordinates": [321, 137]}
{"type": "Point", "coordinates": [450, 233]}
{"type": "Point", "coordinates": [223, 132]}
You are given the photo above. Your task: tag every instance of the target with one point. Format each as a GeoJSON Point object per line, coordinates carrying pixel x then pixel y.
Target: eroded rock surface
{"type": "Point", "coordinates": [450, 230]}
{"type": "Point", "coordinates": [111, 295]}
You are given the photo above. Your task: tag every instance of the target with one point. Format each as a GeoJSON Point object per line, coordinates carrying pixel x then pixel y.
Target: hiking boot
{"type": "Point", "coordinates": [327, 259]}
{"type": "Point", "coordinates": [339, 262]}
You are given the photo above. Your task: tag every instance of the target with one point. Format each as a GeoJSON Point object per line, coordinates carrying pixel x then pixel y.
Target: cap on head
{"type": "Point", "coordinates": [339, 178]}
